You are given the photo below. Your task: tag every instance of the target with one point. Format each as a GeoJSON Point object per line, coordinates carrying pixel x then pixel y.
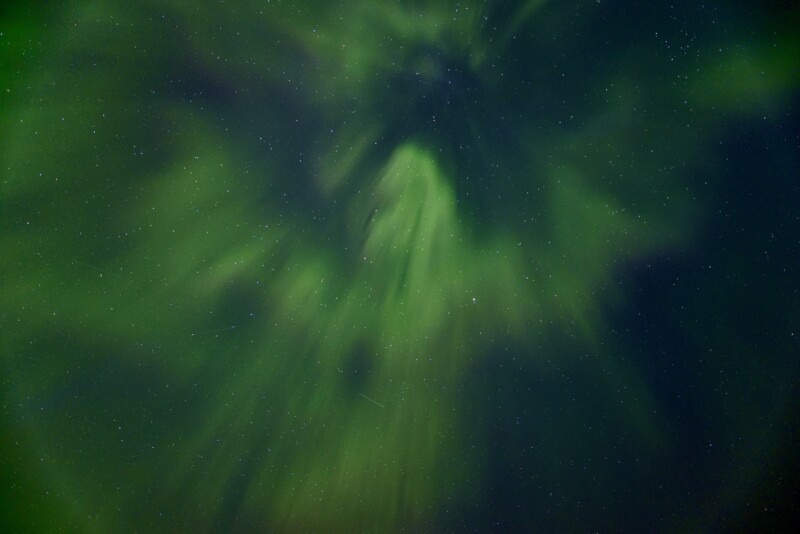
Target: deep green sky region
{"type": "Point", "coordinates": [386, 266]}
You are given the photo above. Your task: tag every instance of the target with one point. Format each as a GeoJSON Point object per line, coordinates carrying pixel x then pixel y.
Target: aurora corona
{"type": "Point", "coordinates": [291, 266]}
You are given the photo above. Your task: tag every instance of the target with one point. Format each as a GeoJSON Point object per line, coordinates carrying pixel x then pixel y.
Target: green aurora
{"type": "Point", "coordinates": [295, 266]}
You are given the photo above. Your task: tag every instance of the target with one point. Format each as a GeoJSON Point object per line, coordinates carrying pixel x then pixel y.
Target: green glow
{"type": "Point", "coordinates": [250, 283]}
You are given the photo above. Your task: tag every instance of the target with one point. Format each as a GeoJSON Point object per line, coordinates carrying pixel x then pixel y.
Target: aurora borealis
{"type": "Point", "coordinates": [399, 266]}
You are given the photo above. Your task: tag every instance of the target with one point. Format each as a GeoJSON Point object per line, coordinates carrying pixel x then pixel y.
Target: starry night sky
{"type": "Point", "coordinates": [399, 266]}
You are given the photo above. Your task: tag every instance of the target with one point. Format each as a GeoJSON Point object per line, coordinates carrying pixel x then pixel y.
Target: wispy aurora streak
{"type": "Point", "coordinates": [356, 207]}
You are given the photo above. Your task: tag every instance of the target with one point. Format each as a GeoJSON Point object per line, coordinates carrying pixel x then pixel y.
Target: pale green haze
{"type": "Point", "coordinates": [383, 266]}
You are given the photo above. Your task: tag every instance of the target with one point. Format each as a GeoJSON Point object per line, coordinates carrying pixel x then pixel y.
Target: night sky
{"type": "Point", "coordinates": [384, 266]}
